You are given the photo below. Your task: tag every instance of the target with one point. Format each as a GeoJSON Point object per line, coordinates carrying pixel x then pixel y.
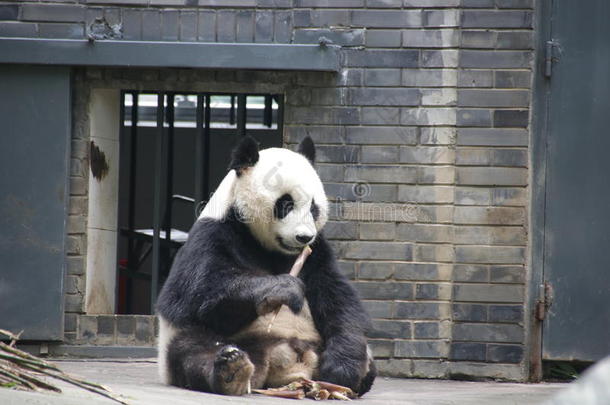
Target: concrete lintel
{"type": "Point", "coordinates": [169, 54]}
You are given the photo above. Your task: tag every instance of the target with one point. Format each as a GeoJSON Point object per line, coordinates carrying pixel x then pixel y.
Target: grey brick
{"type": "Point", "coordinates": [427, 292]}
{"type": "Point", "coordinates": [348, 269]}
{"type": "Point", "coordinates": [470, 312]}
{"type": "Point", "coordinates": [328, 96]}
{"type": "Point", "coordinates": [324, 115]}
{"type": "Point", "coordinates": [378, 250]}
{"type": "Point", "coordinates": [493, 98]}
{"type": "Point", "coordinates": [488, 332]}
{"type": "Point", "coordinates": [207, 26]}
{"type": "Point", "coordinates": [417, 310]}
{"type": "Point", "coordinates": [377, 231]}
{"type": "Point", "coordinates": [385, 329]}
{"type": "Point", "coordinates": [76, 224]}
{"type": "Point", "coordinates": [489, 215]}
{"type": "Point", "coordinates": [475, 78]}
{"type": "Point", "coordinates": [512, 79]}
{"type": "Point", "coordinates": [379, 154]}
{"type": "Point", "coordinates": [470, 272]}
{"type": "Point", "coordinates": [511, 118]}
{"type": "Point", "coordinates": [53, 13]}
{"type": "Point", "coordinates": [428, 78]}
{"type": "Point", "coordinates": [507, 274]}
{"type": "Point", "coordinates": [479, 39]}
{"type": "Point", "coordinates": [389, 58]}
{"type": "Point", "coordinates": [372, 96]}
{"type": "Point", "coordinates": [126, 325]}
{"type": "Point", "coordinates": [509, 157]}
{"type": "Point", "coordinates": [341, 230]}
{"type": "Point", "coordinates": [144, 329]}
{"type": "Point", "coordinates": [282, 32]}
{"type": "Point", "coordinates": [380, 116]}
{"type": "Point", "coordinates": [505, 353]}
{"type": "Point", "coordinates": [473, 118]}
{"type": "Point", "coordinates": [105, 325]}
{"type": "Point", "coordinates": [381, 135]}
{"type": "Point", "coordinates": [426, 330]}
{"type": "Point", "coordinates": [496, 19]}
{"type": "Point", "coordinates": [9, 12]}
{"type": "Point", "coordinates": [352, 192]}
{"type": "Point", "coordinates": [70, 322]}
{"type": "Point", "coordinates": [263, 31]}
{"type": "Point", "coordinates": [379, 309]}
{"type": "Point", "coordinates": [132, 24]}
{"type": "Point", "coordinates": [61, 30]}
{"type": "Point", "coordinates": [420, 349]}
{"type": "Point", "coordinates": [301, 18]}
{"type": "Point", "coordinates": [499, 176]}
{"type": "Point", "coordinates": [473, 157]}
{"type": "Point", "coordinates": [509, 196]}
{"type": "Point", "coordinates": [17, 29]}
{"type": "Point", "coordinates": [330, 172]}
{"type": "Point", "coordinates": [422, 271]}
{"type": "Point", "coordinates": [440, 18]}
{"type": "Point", "coordinates": [492, 137]}
{"type": "Point", "coordinates": [319, 134]}
{"type": "Point", "coordinates": [151, 25]}
{"type": "Point", "coordinates": [383, 38]}
{"type": "Point", "coordinates": [427, 116]}
{"type": "Point", "coordinates": [343, 37]}
{"type": "Point", "coordinates": [514, 3]}
{"type": "Point", "coordinates": [487, 292]}
{"type": "Point", "coordinates": [375, 270]}
{"type": "Point", "coordinates": [490, 254]}
{"type": "Point", "coordinates": [438, 97]}
{"type": "Point", "coordinates": [439, 58]}
{"type": "Point", "coordinates": [329, 18]}
{"type": "Point", "coordinates": [425, 194]}
{"type": "Point", "coordinates": [381, 348]}
{"type": "Point", "coordinates": [244, 22]}
{"type": "Point", "coordinates": [381, 174]}
{"type": "Point", "coordinates": [468, 351]}
{"type": "Point", "coordinates": [395, 367]}
{"type": "Point", "coordinates": [478, 3]}
{"type": "Point", "coordinates": [170, 24]}
{"type": "Point", "coordinates": [430, 38]}
{"type": "Point", "coordinates": [506, 313]}
{"type": "Point", "coordinates": [382, 77]}
{"type": "Point", "coordinates": [472, 196]}
{"type": "Point", "coordinates": [329, 3]}
{"type": "Point", "coordinates": [485, 235]}
{"type": "Point", "coordinates": [386, 19]}
{"type": "Point", "coordinates": [515, 40]}
{"type": "Point", "coordinates": [425, 233]}
{"type": "Point", "coordinates": [384, 290]}
{"type": "Point", "coordinates": [431, 3]}
{"type": "Point", "coordinates": [351, 77]}
{"type": "Point", "coordinates": [225, 26]}
{"type": "Point", "coordinates": [495, 59]}
{"type": "Point", "coordinates": [384, 3]}
{"type": "Point", "coordinates": [188, 26]}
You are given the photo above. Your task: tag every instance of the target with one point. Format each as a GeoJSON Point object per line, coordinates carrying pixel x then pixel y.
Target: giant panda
{"type": "Point", "coordinates": [231, 276]}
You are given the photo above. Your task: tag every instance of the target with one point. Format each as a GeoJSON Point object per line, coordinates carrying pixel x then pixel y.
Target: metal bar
{"type": "Point", "coordinates": [280, 115]}
{"type": "Point", "coordinates": [241, 114]}
{"type": "Point", "coordinates": [170, 54]}
{"type": "Point", "coordinates": [158, 179]}
{"type": "Point", "coordinates": [133, 155]}
{"type": "Point", "coordinates": [268, 113]}
{"type": "Point", "coordinates": [169, 166]}
{"type": "Point", "coordinates": [206, 147]}
{"type": "Point", "coordinates": [232, 111]}
{"type": "Point", "coordinates": [199, 195]}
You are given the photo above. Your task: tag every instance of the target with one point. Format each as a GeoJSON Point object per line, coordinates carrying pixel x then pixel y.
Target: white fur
{"type": "Point", "coordinates": [166, 334]}
{"type": "Point", "coordinates": [278, 172]}
{"type": "Point", "coordinates": [221, 200]}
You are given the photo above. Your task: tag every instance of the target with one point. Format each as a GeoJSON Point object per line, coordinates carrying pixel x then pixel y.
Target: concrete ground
{"type": "Point", "coordinates": [137, 382]}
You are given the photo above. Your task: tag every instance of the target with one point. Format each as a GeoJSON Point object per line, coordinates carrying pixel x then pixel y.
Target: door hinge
{"type": "Point", "coordinates": [550, 56]}
{"type": "Point", "coordinates": [545, 300]}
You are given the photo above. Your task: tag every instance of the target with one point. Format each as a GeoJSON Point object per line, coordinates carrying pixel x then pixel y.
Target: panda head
{"type": "Point", "coordinates": [279, 195]}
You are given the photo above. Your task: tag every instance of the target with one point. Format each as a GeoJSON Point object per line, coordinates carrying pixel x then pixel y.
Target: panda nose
{"type": "Point", "coordinates": [304, 238]}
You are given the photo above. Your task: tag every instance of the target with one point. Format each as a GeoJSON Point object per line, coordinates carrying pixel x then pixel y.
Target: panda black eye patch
{"type": "Point", "coordinates": [315, 210]}
{"type": "Point", "coordinates": [283, 206]}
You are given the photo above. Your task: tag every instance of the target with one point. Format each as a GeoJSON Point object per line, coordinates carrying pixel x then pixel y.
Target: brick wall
{"type": "Point", "coordinates": [423, 146]}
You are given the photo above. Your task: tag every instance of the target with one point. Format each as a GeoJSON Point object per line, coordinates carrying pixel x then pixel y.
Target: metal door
{"type": "Point", "coordinates": [34, 154]}
{"type": "Point", "coordinates": [577, 220]}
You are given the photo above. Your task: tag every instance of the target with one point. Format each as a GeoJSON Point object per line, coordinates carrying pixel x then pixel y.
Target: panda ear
{"type": "Point", "coordinates": [244, 155]}
{"type": "Point", "coordinates": [307, 149]}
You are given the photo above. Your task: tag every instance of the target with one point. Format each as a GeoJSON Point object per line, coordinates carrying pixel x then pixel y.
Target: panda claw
{"type": "Point", "coordinates": [232, 371]}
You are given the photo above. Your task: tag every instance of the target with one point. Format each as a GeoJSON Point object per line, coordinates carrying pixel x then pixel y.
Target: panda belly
{"type": "Point", "coordinates": [290, 347]}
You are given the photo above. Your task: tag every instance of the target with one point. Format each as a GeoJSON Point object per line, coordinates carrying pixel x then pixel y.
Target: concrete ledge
{"type": "Point", "coordinates": [107, 352]}
{"type": "Point", "coordinates": [169, 54]}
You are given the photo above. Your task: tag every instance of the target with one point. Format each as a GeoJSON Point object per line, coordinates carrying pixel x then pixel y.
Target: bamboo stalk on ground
{"type": "Point", "coordinates": [21, 370]}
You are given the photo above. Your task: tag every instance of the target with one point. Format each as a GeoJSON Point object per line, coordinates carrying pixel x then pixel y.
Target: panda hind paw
{"type": "Point", "coordinates": [232, 371]}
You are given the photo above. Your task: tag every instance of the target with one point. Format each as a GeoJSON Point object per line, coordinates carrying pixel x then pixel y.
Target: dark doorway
{"type": "Point", "coordinates": [174, 151]}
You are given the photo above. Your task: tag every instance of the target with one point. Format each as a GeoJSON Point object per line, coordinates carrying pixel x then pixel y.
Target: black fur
{"type": "Point", "coordinates": [244, 155]}
{"type": "Point", "coordinates": [307, 149]}
{"type": "Point", "coordinates": [219, 283]}
{"type": "Point", "coordinates": [283, 206]}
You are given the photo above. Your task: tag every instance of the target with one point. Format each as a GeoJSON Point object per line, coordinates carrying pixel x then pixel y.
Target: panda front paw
{"type": "Point", "coordinates": [343, 373]}
{"type": "Point", "coordinates": [232, 371]}
{"type": "Point", "coordinates": [284, 290]}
